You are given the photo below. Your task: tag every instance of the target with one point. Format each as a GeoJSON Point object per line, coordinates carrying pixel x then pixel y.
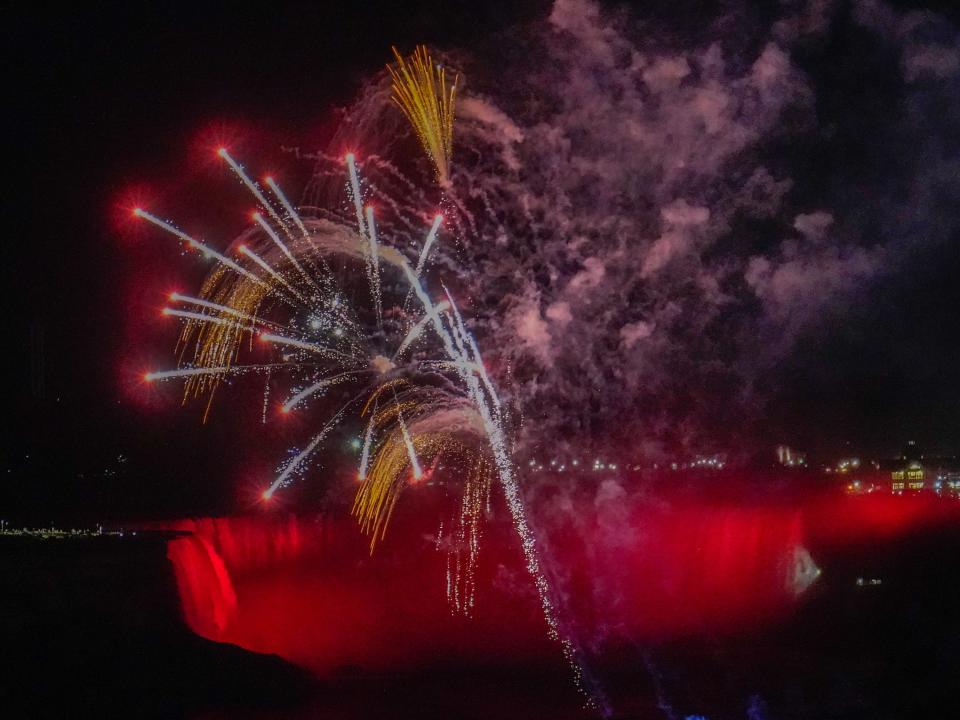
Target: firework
{"type": "Point", "coordinates": [420, 89]}
{"type": "Point", "coordinates": [274, 287]}
{"type": "Point", "coordinates": [415, 378]}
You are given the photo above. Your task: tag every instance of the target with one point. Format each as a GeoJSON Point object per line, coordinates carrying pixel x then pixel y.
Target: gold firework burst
{"type": "Point", "coordinates": [420, 89]}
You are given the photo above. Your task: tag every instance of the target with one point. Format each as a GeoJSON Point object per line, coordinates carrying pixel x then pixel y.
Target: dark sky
{"type": "Point", "coordinates": [108, 103]}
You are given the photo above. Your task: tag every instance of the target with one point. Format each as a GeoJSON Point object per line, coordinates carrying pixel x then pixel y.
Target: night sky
{"type": "Point", "coordinates": [109, 106]}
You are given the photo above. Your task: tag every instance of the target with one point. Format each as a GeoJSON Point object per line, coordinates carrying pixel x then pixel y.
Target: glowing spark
{"type": "Point", "coordinates": [420, 90]}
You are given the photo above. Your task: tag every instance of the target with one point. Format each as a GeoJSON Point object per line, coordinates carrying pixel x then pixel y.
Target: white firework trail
{"type": "Point", "coordinates": [417, 329]}
{"type": "Point", "coordinates": [355, 193]}
{"type": "Point", "coordinates": [193, 372]}
{"type": "Point", "coordinates": [304, 345]}
{"type": "Point", "coordinates": [288, 207]}
{"type": "Point", "coordinates": [411, 451]}
{"type": "Point", "coordinates": [468, 340]}
{"type": "Point", "coordinates": [200, 317]}
{"type": "Point", "coordinates": [374, 265]}
{"type": "Point", "coordinates": [327, 276]}
{"type": "Point", "coordinates": [367, 441]}
{"type": "Point", "coordinates": [366, 235]}
{"type": "Point", "coordinates": [294, 464]}
{"type": "Point", "coordinates": [266, 399]}
{"type": "Point", "coordinates": [317, 387]}
{"type": "Point", "coordinates": [428, 244]}
{"type": "Point", "coordinates": [258, 218]}
{"type": "Point", "coordinates": [266, 267]}
{"type": "Point", "coordinates": [225, 309]}
{"type": "Point", "coordinates": [198, 245]}
{"type": "Point", "coordinates": [255, 190]}
{"type": "Point", "coordinates": [501, 456]}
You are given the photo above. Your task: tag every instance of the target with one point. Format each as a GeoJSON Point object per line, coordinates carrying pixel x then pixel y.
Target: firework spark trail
{"type": "Point", "coordinates": [255, 190]}
{"type": "Point", "coordinates": [225, 309]}
{"type": "Point", "coordinates": [367, 440]}
{"type": "Point", "coordinates": [258, 218]}
{"type": "Point", "coordinates": [304, 345]}
{"type": "Point", "coordinates": [457, 340]}
{"type": "Point", "coordinates": [282, 478]}
{"type": "Point", "coordinates": [365, 232]}
{"type": "Point", "coordinates": [198, 245]}
{"type": "Point", "coordinates": [266, 267]}
{"type": "Point", "coordinates": [288, 207]}
{"type": "Point", "coordinates": [192, 372]}
{"type": "Point", "coordinates": [411, 451]}
{"type": "Point", "coordinates": [431, 312]}
{"type": "Point", "coordinates": [317, 387]}
{"type": "Point", "coordinates": [417, 329]}
{"type": "Point", "coordinates": [295, 462]}
{"type": "Point", "coordinates": [200, 317]}
{"type": "Point", "coordinates": [511, 491]}
{"type": "Point", "coordinates": [420, 90]}
{"type": "Point", "coordinates": [266, 399]}
{"type": "Point", "coordinates": [327, 278]}
{"type": "Point", "coordinates": [355, 193]}
{"type": "Point", "coordinates": [428, 243]}
{"type": "Point", "coordinates": [473, 349]}
{"type": "Point", "coordinates": [374, 266]}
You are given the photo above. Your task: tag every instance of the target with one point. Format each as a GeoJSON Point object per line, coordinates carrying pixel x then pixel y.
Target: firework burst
{"type": "Point", "coordinates": [420, 89]}
{"type": "Point", "coordinates": [274, 286]}
{"type": "Point", "coordinates": [409, 372]}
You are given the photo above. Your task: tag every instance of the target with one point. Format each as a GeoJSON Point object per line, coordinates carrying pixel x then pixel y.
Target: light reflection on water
{"type": "Point", "coordinates": [849, 649]}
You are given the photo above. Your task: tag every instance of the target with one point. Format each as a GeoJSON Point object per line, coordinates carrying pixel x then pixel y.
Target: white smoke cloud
{"type": "Point", "coordinates": [636, 245]}
{"type": "Point", "coordinates": [610, 221]}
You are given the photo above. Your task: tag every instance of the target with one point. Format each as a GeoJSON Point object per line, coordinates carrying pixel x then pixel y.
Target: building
{"type": "Point", "coordinates": [914, 471]}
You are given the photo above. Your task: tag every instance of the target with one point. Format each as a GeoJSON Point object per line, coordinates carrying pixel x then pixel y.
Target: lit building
{"type": "Point", "coordinates": [914, 471]}
{"type": "Point", "coordinates": [909, 473]}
